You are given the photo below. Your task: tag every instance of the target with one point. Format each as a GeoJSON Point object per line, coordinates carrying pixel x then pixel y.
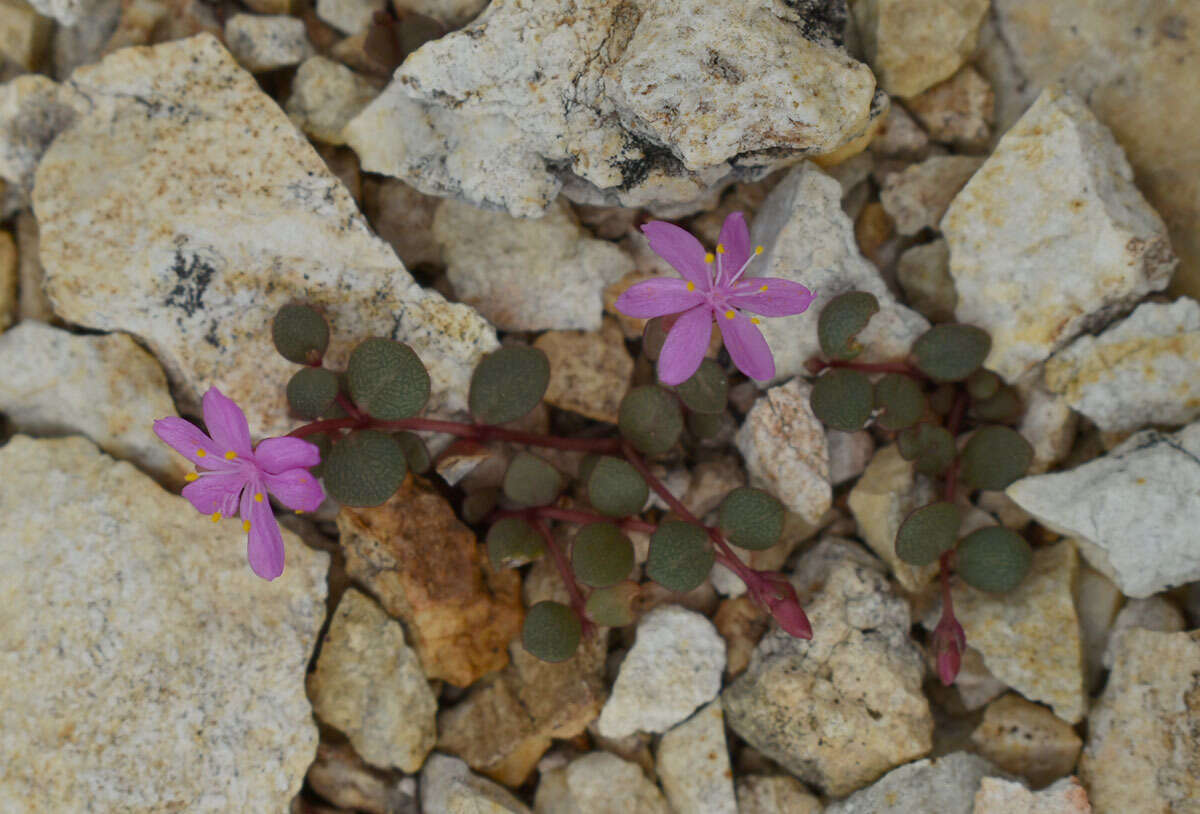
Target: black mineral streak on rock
{"type": "Point", "coordinates": [820, 20]}
{"type": "Point", "coordinates": [193, 274]}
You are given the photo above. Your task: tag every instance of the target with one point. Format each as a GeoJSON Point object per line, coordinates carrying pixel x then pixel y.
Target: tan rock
{"type": "Point", "coordinates": [598, 783]}
{"type": "Point", "coordinates": [428, 571]}
{"type": "Point", "coordinates": [32, 301]}
{"type": "Point", "coordinates": [958, 111]}
{"type": "Point", "coordinates": [447, 785]}
{"type": "Point", "coordinates": [997, 796]}
{"type": "Point", "coordinates": [266, 42]}
{"type": "Point", "coordinates": [589, 372]}
{"type": "Point", "coordinates": [918, 197]}
{"type": "Point", "coordinates": [344, 779]}
{"type": "Point", "coordinates": [8, 279]}
{"type": "Point", "coordinates": [1157, 613]}
{"type": "Point", "coordinates": [631, 327]}
{"type": "Point", "coordinates": [404, 218]}
{"type": "Point", "coordinates": [1097, 600]}
{"type": "Point", "coordinates": [1027, 739]}
{"type": "Point", "coordinates": [693, 764]}
{"type": "Point", "coordinates": [24, 34]}
{"type": "Point", "coordinates": [712, 480]}
{"type": "Point", "coordinates": [450, 13]}
{"type": "Point", "coordinates": [741, 624]}
{"type": "Point", "coordinates": [900, 137]}
{"type": "Point", "coordinates": [924, 274]}
{"type": "Point", "coordinates": [325, 97]}
{"type": "Point", "coordinates": [770, 794]}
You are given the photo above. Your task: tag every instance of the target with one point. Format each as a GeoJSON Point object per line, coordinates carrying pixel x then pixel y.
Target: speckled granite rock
{"type": "Point", "coordinates": [693, 764]}
{"type": "Point", "coordinates": [143, 666]}
{"type": "Point", "coordinates": [946, 785]}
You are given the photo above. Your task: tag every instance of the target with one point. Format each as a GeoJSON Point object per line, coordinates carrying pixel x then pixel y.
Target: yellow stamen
{"type": "Point", "coordinates": [691, 286]}
{"type": "Point", "coordinates": [709, 257]}
{"type": "Point", "coordinates": [764, 288]}
{"type": "Point", "coordinates": [758, 249]}
{"type": "Point", "coordinates": [200, 453]}
{"type": "Point", "coordinates": [720, 248]}
{"type": "Point", "coordinates": [216, 517]}
{"type": "Point", "coordinates": [299, 512]}
{"type": "Point", "coordinates": [246, 525]}
{"type": "Point", "coordinates": [755, 320]}
{"type": "Point", "coordinates": [191, 476]}
{"type": "Point", "coordinates": [230, 455]}
{"type": "Point", "coordinates": [258, 498]}
{"type": "Point", "coordinates": [729, 314]}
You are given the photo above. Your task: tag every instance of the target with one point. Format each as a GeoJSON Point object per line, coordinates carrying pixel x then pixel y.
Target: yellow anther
{"type": "Point", "coordinates": [755, 320]}
{"type": "Point", "coordinates": [758, 249]}
{"type": "Point", "coordinates": [720, 248]}
{"type": "Point", "coordinates": [691, 286]}
{"type": "Point", "coordinates": [299, 512]}
{"type": "Point", "coordinates": [764, 288]}
{"type": "Point", "coordinates": [216, 517]}
{"type": "Point", "coordinates": [709, 257]}
{"type": "Point", "coordinates": [200, 453]}
{"type": "Point", "coordinates": [258, 498]}
{"type": "Point", "coordinates": [730, 314]}
{"type": "Point", "coordinates": [245, 525]}
{"type": "Point", "coordinates": [191, 476]}
{"type": "Point", "coordinates": [230, 455]}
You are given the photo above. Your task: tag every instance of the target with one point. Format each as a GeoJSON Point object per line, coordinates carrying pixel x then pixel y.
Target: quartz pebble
{"type": "Point", "coordinates": [924, 273]}
{"type": "Point", "coordinates": [693, 764]}
{"type": "Point", "coordinates": [957, 111]}
{"type": "Point", "coordinates": [598, 783]}
{"type": "Point", "coordinates": [946, 785]}
{"type": "Point", "coordinates": [325, 97]}
{"type": "Point", "coordinates": [917, 198]}
{"type": "Point", "coordinates": [1027, 740]}
{"type": "Point", "coordinates": [849, 454]}
{"type": "Point", "coordinates": [266, 42]}
{"type": "Point", "coordinates": [1157, 613]}
{"type": "Point", "coordinates": [448, 786]}
{"type": "Point", "coordinates": [771, 794]}
{"type": "Point", "coordinates": [1097, 601]}
{"type": "Point", "coordinates": [997, 796]}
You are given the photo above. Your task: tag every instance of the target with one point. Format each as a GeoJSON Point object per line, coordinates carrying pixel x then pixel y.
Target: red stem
{"type": "Point", "coordinates": [476, 432]}
{"type": "Point", "coordinates": [581, 517]}
{"type": "Point", "coordinates": [817, 365]}
{"type": "Point", "coordinates": [953, 423]}
{"type": "Point", "coordinates": [564, 571]}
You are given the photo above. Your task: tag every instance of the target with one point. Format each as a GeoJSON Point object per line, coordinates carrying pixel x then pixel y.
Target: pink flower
{"type": "Point", "coordinates": [712, 289]}
{"type": "Point", "coordinates": [948, 643]}
{"type": "Point", "coordinates": [783, 604]}
{"type": "Point", "coordinates": [236, 479]}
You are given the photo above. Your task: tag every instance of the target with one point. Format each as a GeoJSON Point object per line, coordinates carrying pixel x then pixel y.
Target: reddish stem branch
{"type": "Point", "coordinates": [583, 518]}
{"type": "Point", "coordinates": [475, 432]}
{"type": "Point", "coordinates": [953, 424]}
{"type": "Point", "coordinates": [564, 571]}
{"type": "Point", "coordinates": [816, 365]}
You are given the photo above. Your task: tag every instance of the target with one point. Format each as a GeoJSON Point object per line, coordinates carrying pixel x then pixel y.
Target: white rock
{"type": "Point", "coordinates": [1155, 613]}
{"type": "Point", "coordinates": [619, 102]}
{"type": "Point", "coordinates": [917, 197]}
{"type": "Point", "coordinates": [326, 95]}
{"type": "Point", "coordinates": [1142, 746]}
{"type": "Point", "coordinates": [209, 251]}
{"type": "Point", "coordinates": [693, 764]}
{"type": "Point", "coordinates": [674, 667]}
{"type": "Point", "coordinates": [105, 387]}
{"type": "Point", "coordinates": [1143, 370]}
{"type": "Point", "coordinates": [849, 454]}
{"type": "Point", "coordinates": [598, 783]}
{"type": "Point", "coordinates": [1134, 509]}
{"type": "Point", "coordinates": [771, 794]}
{"type": "Point", "coordinates": [900, 137]}
{"type": "Point", "coordinates": [447, 785]}
{"type": "Point", "coordinates": [946, 785]}
{"type": "Point", "coordinates": [975, 684]}
{"type": "Point", "coordinates": [135, 636]}
{"type": "Point", "coordinates": [996, 796]}
{"type": "Point", "coordinates": [843, 708]}
{"type": "Point", "coordinates": [807, 238]}
{"type": "Point", "coordinates": [924, 274]}
{"type": "Point", "coordinates": [84, 42]}
{"type": "Point", "coordinates": [66, 12]}
{"type": "Point", "coordinates": [348, 16]}
{"type": "Point", "coordinates": [958, 111]}
{"type": "Point", "coordinates": [1048, 423]}
{"type": "Point", "coordinates": [786, 451]}
{"type": "Point", "coordinates": [527, 275]}
{"type": "Point", "coordinates": [32, 112]}
{"type": "Point", "coordinates": [267, 42]}
{"type": "Point", "coordinates": [1035, 263]}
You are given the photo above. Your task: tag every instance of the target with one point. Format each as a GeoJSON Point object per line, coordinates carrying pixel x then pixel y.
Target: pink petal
{"type": "Point", "coordinates": [297, 489]}
{"type": "Point", "coordinates": [782, 298]}
{"type": "Point", "coordinates": [735, 239]}
{"type": "Point", "coordinates": [686, 343]}
{"type": "Point", "coordinates": [747, 346]}
{"type": "Point", "coordinates": [679, 248]}
{"type": "Point", "coordinates": [226, 423]}
{"type": "Point", "coordinates": [657, 297]}
{"type": "Point", "coordinates": [275, 455]}
{"type": "Point", "coordinates": [190, 441]}
{"type": "Point", "coordinates": [264, 541]}
{"type": "Point", "coordinates": [217, 492]}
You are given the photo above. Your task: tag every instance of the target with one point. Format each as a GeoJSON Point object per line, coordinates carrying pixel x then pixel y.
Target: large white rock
{"type": "Point", "coordinates": [143, 666]}
{"type": "Point", "coordinates": [616, 99]}
{"type": "Point", "coordinates": [183, 174]}
{"type": "Point", "coordinates": [693, 764]}
{"type": "Point", "coordinates": [946, 785]}
{"type": "Point", "coordinates": [1051, 237]}
{"type": "Point", "coordinates": [1134, 509]}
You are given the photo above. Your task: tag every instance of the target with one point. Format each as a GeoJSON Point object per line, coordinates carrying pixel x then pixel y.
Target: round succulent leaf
{"type": "Point", "coordinates": [751, 518]}
{"type": "Point", "coordinates": [478, 505]}
{"type": "Point", "coordinates": [415, 451]}
{"type": "Point", "coordinates": [930, 447]}
{"type": "Point", "coordinates": [512, 542]}
{"type": "Point", "coordinates": [707, 390]}
{"type": "Point", "coordinates": [841, 320]}
{"type": "Point", "coordinates": [649, 418]}
{"type": "Point", "coordinates": [705, 425]}
{"type": "Point", "coordinates": [311, 391]}
{"type": "Point", "coordinates": [612, 606]}
{"type": "Point", "coordinates": [901, 400]}
{"type": "Point", "coordinates": [842, 399]}
{"type": "Point", "coordinates": [300, 334]}
{"type": "Point", "coordinates": [951, 352]}
{"type": "Point", "coordinates": [680, 557]}
{"type": "Point", "coordinates": [602, 555]}
{"type": "Point", "coordinates": [1004, 405]}
{"type": "Point", "coordinates": [615, 488]}
{"type": "Point", "coordinates": [387, 379]}
{"type": "Point", "coordinates": [364, 469]}
{"type": "Point", "coordinates": [994, 457]}
{"type": "Point", "coordinates": [983, 384]}
{"type": "Point", "coordinates": [928, 532]}
{"type": "Point", "coordinates": [993, 559]}
{"type": "Point", "coordinates": [551, 632]}
{"type": "Point", "coordinates": [508, 384]}
{"type": "Point", "coordinates": [530, 481]}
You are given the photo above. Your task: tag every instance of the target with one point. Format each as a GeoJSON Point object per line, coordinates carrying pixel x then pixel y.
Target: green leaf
{"type": "Point", "coordinates": [929, 446]}
{"type": "Point", "coordinates": [650, 419]}
{"type": "Point", "coordinates": [311, 391]}
{"type": "Point", "coordinates": [994, 559]}
{"type": "Point", "coordinates": [994, 457]}
{"type": "Point", "coordinates": [508, 384]}
{"type": "Point", "coordinates": [901, 399]}
{"type": "Point", "coordinates": [1004, 405]}
{"type": "Point", "coordinates": [707, 390]}
{"type": "Point", "coordinates": [512, 542]}
{"type": "Point", "coordinates": [751, 518]}
{"type": "Point", "coordinates": [530, 481]}
{"type": "Point", "coordinates": [615, 488]}
{"type": "Point", "coordinates": [928, 532]}
{"type": "Point", "coordinates": [842, 399]}
{"type": "Point", "coordinates": [552, 631]}
{"type": "Point", "coordinates": [951, 352]}
{"type": "Point", "coordinates": [841, 320]}
{"type": "Point", "coordinates": [705, 425]}
{"type": "Point", "coordinates": [941, 400]}
{"type": "Point", "coordinates": [680, 556]}
{"type": "Point", "coordinates": [983, 384]}
{"type": "Point", "coordinates": [364, 469]}
{"type": "Point", "coordinates": [613, 606]}
{"type": "Point", "coordinates": [387, 380]}
{"type": "Point", "coordinates": [601, 555]}
{"type": "Point", "coordinates": [300, 334]}
{"type": "Point", "coordinates": [415, 451]}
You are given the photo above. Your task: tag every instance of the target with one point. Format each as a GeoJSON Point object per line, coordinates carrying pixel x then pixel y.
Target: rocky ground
{"type": "Point", "coordinates": [450, 175]}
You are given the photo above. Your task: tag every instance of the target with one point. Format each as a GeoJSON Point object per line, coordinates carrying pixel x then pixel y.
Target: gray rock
{"type": "Point", "coordinates": [996, 796]}
{"type": "Point", "coordinates": [1157, 613]}
{"type": "Point", "coordinates": [917, 197]}
{"type": "Point", "coordinates": [598, 783]}
{"type": "Point", "coordinates": [450, 13]}
{"type": "Point", "coordinates": [924, 274]}
{"type": "Point", "coordinates": [1048, 423]}
{"type": "Point", "coordinates": [771, 794]}
{"type": "Point", "coordinates": [144, 663]}
{"type": "Point", "coordinates": [266, 42]}
{"type": "Point", "coordinates": [66, 12]}
{"type": "Point", "coordinates": [849, 454]}
{"type": "Point", "coordinates": [693, 764]}
{"type": "Point", "coordinates": [32, 112]}
{"type": "Point", "coordinates": [348, 16]}
{"type": "Point", "coordinates": [447, 785]}
{"type": "Point", "coordinates": [1097, 600]}
{"type": "Point", "coordinates": [326, 95]}
{"type": "Point", "coordinates": [83, 43]}
{"type": "Point", "coordinates": [946, 785]}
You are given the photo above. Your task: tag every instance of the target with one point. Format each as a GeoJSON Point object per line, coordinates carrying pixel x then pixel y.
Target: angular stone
{"type": "Point", "coordinates": [976, 686]}
{"type": "Point", "coordinates": [741, 624]}
{"type": "Point", "coordinates": [1157, 613]}
{"type": "Point", "coordinates": [1097, 601]}
{"type": "Point", "coordinates": [266, 42]}
{"type": "Point", "coordinates": [450, 13]}
{"type": "Point", "coordinates": [526, 275]}
{"type": "Point", "coordinates": [1144, 732]}
{"type": "Point", "coordinates": [105, 387]}
{"type": "Point", "coordinates": [404, 218]}
{"type": "Point", "coordinates": [117, 654]}
{"type": "Point", "coordinates": [913, 45]}
{"type": "Point", "coordinates": [427, 570]}
{"type": "Point", "coordinates": [1027, 740]}
{"type": "Point", "coordinates": [924, 274]}
{"type": "Point", "coordinates": [770, 794]}
{"type": "Point", "coordinates": [325, 97]}
{"type": "Point", "coordinates": [1037, 264]}
{"type": "Point", "coordinates": [341, 777]}
{"type": "Point", "coordinates": [448, 785]}
{"type": "Point", "coordinates": [786, 451]}
{"type": "Point", "coordinates": [1143, 370]}
{"type": "Point", "coordinates": [658, 115]}
{"type": "Point", "coordinates": [958, 111]}
{"type": "Point", "coordinates": [205, 263]}
{"type": "Point", "coordinates": [996, 796]}
{"type": "Point", "coordinates": [807, 238]}
{"type": "Point", "coordinates": [1048, 423]}
{"type": "Point", "coordinates": [849, 454]}
{"type": "Point", "coordinates": [946, 785]}
{"type": "Point", "coordinates": [673, 667]}
{"type": "Point", "coordinates": [693, 764]}
{"type": "Point", "coordinates": [83, 43]}
{"type": "Point", "coordinates": [900, 137]}
{"type": "Point", "coordinates": [33, 109]}
{"type": "Point", "coordinates": [8, 279]}
{"type": "Point", "coordinates": [24, 34]}
{"type": "Point", "coordinates": [917, 198]}
{"type": "Point", "coordinates": [348, 16]}
{"type": "Point", "coordinates": [32, 301]}
{"type": "Point", "coordinates": [369, 685]}
{"type": "Point", "coordinates": [843, 708]}
{"type": "Point", "coordinates": [1132, 508]}
{"type": "Point", "coordinates": [589, 372]}
{"type": "Point", "coordinates": [598, 783]}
